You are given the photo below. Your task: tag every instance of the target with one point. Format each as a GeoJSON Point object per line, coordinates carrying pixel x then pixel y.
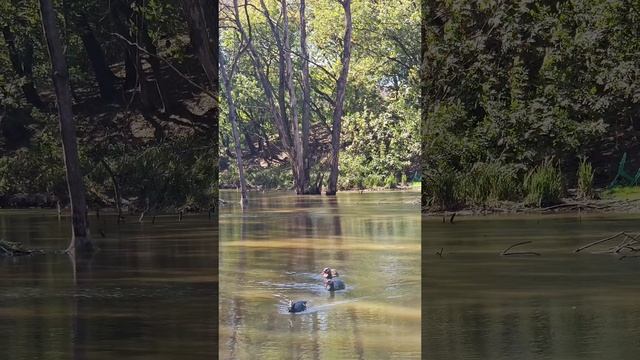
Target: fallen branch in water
{"type": "Point", "coordinates": [15, 249]}
{"type": "Point", "coordinates": [8, 248]}
{"type": "Point", "coordinates": [523, 253]}
{"type": "Point", "coordinates": [627, 244]}
{"type": "Point", "coordinates": [599, 241]}
{"type": "Point", "coordinates": [439, 253]}
{"type": "Point", "coordinates": [578, 205]}
{"type": "Point", "coordinates": [507, 253]}
{"type": "Point", "coordinates": [628, 256]}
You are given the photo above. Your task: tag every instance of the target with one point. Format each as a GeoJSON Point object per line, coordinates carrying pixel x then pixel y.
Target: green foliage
{"type": "Point", "coordinates": [175, 169]}
{"type": "Point", "coordinates": [373, 181]}
{"type": "Point", "coordinates": [543, 184]}
{"type": "Point", "coordinates": [390, 181]}
{"type": "Point", "coordinates": [270, 178]}
{"type": "Point", "coordinates": [170, 174]}
{"type": "Point", "coordinates": [35, 170]}
{"type": "Point", "coordinates": [442, 190]}
{"type": "Point", "coordinates": [622, 193]}
{"type": "Point", "coordinates": [489, 183]}
{"type": "Point", "coordinates": [521, 81]}
{"type": "Point", "coordinates": [380, 127]}
{"type": "Point", "coordinates": [585, 180]}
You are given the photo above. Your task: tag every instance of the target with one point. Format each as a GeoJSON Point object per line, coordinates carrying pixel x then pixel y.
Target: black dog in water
{"type": "Point", "coordinates": [334, 284]}
{"type": "Point", "coordinates": [297, 306]}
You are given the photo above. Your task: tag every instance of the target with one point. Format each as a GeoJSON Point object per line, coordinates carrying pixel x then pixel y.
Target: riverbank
{"type": "Point", "coordinates": [623, 199]}
{"type": "Point", "coordinates": [568, 206]}
{"type": "Point", "coordinates": [415, 186]}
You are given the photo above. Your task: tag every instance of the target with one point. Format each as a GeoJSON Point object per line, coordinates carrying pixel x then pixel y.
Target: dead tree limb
{"type": "Point", "coordinates": [599, 241]}
{"type": "Point", "coordinates": [507, 253]}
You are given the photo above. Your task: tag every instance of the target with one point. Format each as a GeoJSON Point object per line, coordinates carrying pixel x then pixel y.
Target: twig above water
{"type": "Point", "coordinates": [599, 241]}
{"type": "Point", "coordinates": [507, 253]}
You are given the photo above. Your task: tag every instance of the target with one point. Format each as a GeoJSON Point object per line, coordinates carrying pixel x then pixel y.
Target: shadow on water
{"type": "Point", "coordinates": [560, 305]}
{"type": "Point", "coordinates": [147, 294]}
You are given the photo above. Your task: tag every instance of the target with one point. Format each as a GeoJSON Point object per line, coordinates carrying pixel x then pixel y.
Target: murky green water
{"type": "Point", "coordinates": [275, 251]}
{"type": "Point", "coordinates": [560, 305]}
{"type": "Point", "coordinates": [149, 293]}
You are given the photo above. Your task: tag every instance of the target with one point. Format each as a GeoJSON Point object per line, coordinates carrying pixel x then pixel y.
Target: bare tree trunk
{"type": "Point", "coordinates": [266, 85]}
{"type": "Point", "coordinates": [121, 15]}
{"type": "Point", "coordinates": [104, 75]}
{"type": "Point", "coordinates": [306, 94]}
{"type": "Point", "coordinates": [198, 31]}
{"type": "Point", "coordinates": [298, 161]}
{"type": "Point", "coordinates": [233, 119]}
{"type": "Point", "coordinates": [80, 241]}
{"type": "Point", "coordinates": [282, 70]}
{"type": "Point", "coordinates": [22, 63]}
{"type": "Point", "coordinates": [116, 188]}
{"type": "Point", "coordinates": [152, 59]}
{"type": "Point", "coordinates": [340, 95]}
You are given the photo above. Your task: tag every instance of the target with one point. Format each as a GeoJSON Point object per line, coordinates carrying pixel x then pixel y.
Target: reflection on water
{"type": "Point", "coordinates": [274, 252]}
{"type": "Point", "coordinates": [560, 305]}
{"type": "Point", "coordinates": [149, 293]}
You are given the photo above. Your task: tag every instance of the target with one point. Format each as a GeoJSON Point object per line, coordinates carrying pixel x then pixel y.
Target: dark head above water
{"type": "Point", "coordinates": [334, 284]}
{"type": "Point", "coordinates": [297, 306]}
{"type": "Point", "coordinates": [329, 273]}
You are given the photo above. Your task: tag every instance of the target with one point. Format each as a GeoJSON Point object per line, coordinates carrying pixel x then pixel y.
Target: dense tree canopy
{"type": "Point", "coordinates": [145, 112]}
{"type": "Point", "coordinates": [514, 83]}
{"type": "Point", "coordinates": [380, 123]}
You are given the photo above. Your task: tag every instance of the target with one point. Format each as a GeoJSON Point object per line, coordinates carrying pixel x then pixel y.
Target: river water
{"type": "Point", "coordinates": [148, 293]}
{"type": "Point", "coordinates": [559, 305]}
{"type": "Point", "coordinates": [274, 252]}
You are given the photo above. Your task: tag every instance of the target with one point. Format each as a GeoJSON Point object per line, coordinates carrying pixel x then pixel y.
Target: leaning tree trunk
{"type": "Point", "coordinates": [339, 103]}
{"type": "Point", "coordinates": [121, 15]}
{"type": "Point", "coordinates": [198, 32]}
{"type": "Point", "coordinates": [233, 119]}
{"type": "Point", "coordinates": [104, 75]}
{"type": "Point", "coordinates": [257, 62]}
{"type": "Point", "coordinates": [22, 63]}
{"type": "Point", "coordinates": [80, 240]}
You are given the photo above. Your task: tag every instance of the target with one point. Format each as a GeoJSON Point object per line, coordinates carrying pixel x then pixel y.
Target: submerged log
{"type": "Point", "coordinates": [8, 248]}
{"type": "Point", "coordinates": [599, 241]}
{"type": "Point", "coordinates": [506, 252]}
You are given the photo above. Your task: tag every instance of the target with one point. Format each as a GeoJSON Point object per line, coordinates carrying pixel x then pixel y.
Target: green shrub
{"type": "Point", "coordinates": [390, 182]}
{"type": "Point", "coordinates": [442, 189]}
{"type": "Point", "coordinates": [273, 177]}
{"type": "Point", "coordinates": [488, 183]}
{"type": "Point", "coordinates": [403, 180]}
{"type": "Point", "coordinates": [585, 179]}
{"type": "Point", "coordinates": [543, 184]}
{"type": "Point", "coordinates": [373, 181]}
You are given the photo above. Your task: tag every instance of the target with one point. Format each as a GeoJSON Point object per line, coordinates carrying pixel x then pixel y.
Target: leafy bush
{"type": "Point", "coordinates": [390, 182]}
{"type": "Point", "coordinates": [585, 180]}
{"type": "Point", "coordinates": [543, 184]}
{"type": "Point", "coordinates": [488, 183]}
{"type": "Point", "coordinates": [442, 189]}
{"type": "Point", "coordinates": [373, 181]}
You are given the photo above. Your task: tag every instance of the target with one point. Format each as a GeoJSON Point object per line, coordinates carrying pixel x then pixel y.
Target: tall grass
{"type": "Point", "coordinates": [489, 183]}
{"type": "Point", "coordinates": [442, 189]}
{"type": "Point", "coordinates": [585, 180]}
{"type": "Point", "coordinates": [543, 185]}
{"type": "Point", "coordinates": [390, 182]}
